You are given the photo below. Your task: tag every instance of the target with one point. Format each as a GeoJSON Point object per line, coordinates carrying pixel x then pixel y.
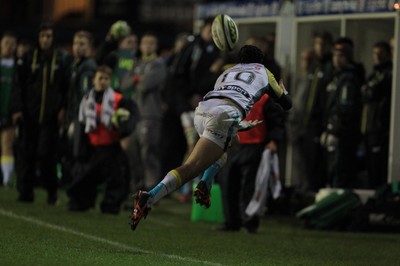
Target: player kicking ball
{"type": "Point", "coordinates": [217, 120]}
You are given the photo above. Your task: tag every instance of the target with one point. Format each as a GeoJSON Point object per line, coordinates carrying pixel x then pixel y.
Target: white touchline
{"type": "Point", "coordinates": [98, 239]}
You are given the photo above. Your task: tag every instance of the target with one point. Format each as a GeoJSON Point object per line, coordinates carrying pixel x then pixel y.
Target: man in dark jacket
{"type": "Point", "coordinates": [319, 75]}
{"type": "Point", "coordinates": [82, 72]}
{"type": "Point", "coordinates": [39, 107]}
{"type": "Point", "coordinates": [375, 123]}
{"type": "Point", "coordinates": [82, 69]}
{"type": "Point", "coordinates": [241, 169]}
{"type": "Point", "coordinates": [342, 119]}
{"type": "Point", "coordinates": [192, 69]}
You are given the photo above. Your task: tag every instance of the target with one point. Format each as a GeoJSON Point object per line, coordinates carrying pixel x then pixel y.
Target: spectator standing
{"type": "Point", "coordinates": [320, 75]}
{"type": "Point", "coordinates": [342, 119]}
{"type": "Point", "coordinates": [375, 123]}
{"type": "Point", "coordinates": [149, 79]}
{"type": "Point", "coordinates": [296, 127]}
{"type": "Point", "coordinates": [8, 64]}
{"type": "Point", "coordinates": [359, 67]}
{"type": "Point", "coordinates": [122, 61]}
{"type": "Point", "coordinates": [82, 69]}
{"type": "Point", "coordinates": [241, 169]}
{"type": "Point", "coordinates": [195, 70]}
{"type": "Point", "coordinates": [39, 108]}
{"type": "Point", "coordinates": [24, 45]}
{"type": "Point", "coordinates": [118, 30]}
{"type": "Point", "coordinates": [172, 150]}
{"type": "Point", "coordinates": [105, 117]}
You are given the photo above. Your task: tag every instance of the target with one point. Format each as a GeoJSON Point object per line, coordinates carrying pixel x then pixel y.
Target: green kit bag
{"type": "Point", "coordinates": [334, 211]}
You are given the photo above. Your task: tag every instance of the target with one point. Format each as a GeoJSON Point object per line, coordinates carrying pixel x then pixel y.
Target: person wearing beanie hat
{"type": "Point", "coordinates": [342, 119]}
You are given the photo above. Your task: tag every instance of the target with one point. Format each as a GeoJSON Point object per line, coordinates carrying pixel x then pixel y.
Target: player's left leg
{"type": "Point", "coordinates": [202, 191]}
{"type": "Point", "coordinates": [204, 154]}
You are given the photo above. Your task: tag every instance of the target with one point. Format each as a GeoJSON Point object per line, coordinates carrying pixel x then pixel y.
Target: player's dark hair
{"type": "Point", "coordinates": [250, 54]}
{"type": "Point", "coordinates": [207, 21]}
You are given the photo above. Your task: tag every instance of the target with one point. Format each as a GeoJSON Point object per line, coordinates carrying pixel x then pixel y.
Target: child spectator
{"type": "Point", "coordinates": [105, 117]}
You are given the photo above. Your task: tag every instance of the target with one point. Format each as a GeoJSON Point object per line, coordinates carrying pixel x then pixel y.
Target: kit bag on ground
{"type": "Point", "coordinates": [381, 212]}
{"type": "Point", "coordinates": [334, 211]}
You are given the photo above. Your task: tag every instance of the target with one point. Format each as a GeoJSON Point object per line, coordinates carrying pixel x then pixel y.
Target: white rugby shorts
{"type": "Point", "coordinates": [217, 120]}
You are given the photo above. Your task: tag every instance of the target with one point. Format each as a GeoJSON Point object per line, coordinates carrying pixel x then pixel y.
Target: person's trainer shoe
{"type": "Point", "coordinates": [202, 194]}
{"type": "Point", "coordinates": [140, 208]}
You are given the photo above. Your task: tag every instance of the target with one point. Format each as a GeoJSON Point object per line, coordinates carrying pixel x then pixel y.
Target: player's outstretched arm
{"type": "Point", "coordinates": [278, 92]}
{"type": "Point", "coordinates": [284, 100]}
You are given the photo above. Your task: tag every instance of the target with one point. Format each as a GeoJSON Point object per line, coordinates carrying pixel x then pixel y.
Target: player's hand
{"type": "Point", "coordinates": [283, 87]}
{"type": "Point", "coordinates": [248, 124]}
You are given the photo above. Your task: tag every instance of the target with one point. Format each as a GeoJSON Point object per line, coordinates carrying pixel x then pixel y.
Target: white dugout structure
{"type": "Point", "coordinates": [365, 21]}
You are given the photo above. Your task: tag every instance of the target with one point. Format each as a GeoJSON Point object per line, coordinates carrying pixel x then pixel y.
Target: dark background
{"type": "Point", "coordinates": [165, 17]}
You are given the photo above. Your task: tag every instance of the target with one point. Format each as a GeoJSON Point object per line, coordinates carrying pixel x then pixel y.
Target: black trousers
{"type": "Point", "coordinates": [314, 159]}
{"type": "Point", "coordinates": [377, 153]}
{"type": "Point", "coordinates": [36, 148]}
{"type": "Point", "coordinates": [106, 165]}
{"type": "Point", "coordinates": [239, 183]}
{"type": "Point", "coordinates": [341, 164]}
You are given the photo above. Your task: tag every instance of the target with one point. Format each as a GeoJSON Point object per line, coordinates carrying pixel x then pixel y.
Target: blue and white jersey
{"type": "Point", "coordinates": [244, 84]}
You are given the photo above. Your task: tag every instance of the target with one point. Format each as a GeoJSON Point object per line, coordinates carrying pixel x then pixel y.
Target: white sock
{"type": "Point", "coordinates": [7, 167]}
{"type": "Point", "coordinates": [170, 183]}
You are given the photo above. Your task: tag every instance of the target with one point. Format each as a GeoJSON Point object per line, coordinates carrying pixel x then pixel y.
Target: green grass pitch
{"type": "Point", "coordinates": [38, 234]}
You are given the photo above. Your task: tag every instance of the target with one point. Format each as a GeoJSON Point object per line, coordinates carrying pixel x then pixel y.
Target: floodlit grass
{"type": "Point", "coordinates": [38, 234]}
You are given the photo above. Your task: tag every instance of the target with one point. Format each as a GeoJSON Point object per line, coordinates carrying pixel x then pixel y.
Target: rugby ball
{"type": "Point", "coordinates": [224, 32]}
{"type": "Point", "coordinates": [120, 29]}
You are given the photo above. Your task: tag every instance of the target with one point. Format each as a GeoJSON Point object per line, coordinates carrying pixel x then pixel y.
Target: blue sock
{"type": "Point", "coordinates": [210, 173]}
{"type": "Point", "coordinates": [156, 189]}
{"type": "Point", "coordinates": [169, 184]}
